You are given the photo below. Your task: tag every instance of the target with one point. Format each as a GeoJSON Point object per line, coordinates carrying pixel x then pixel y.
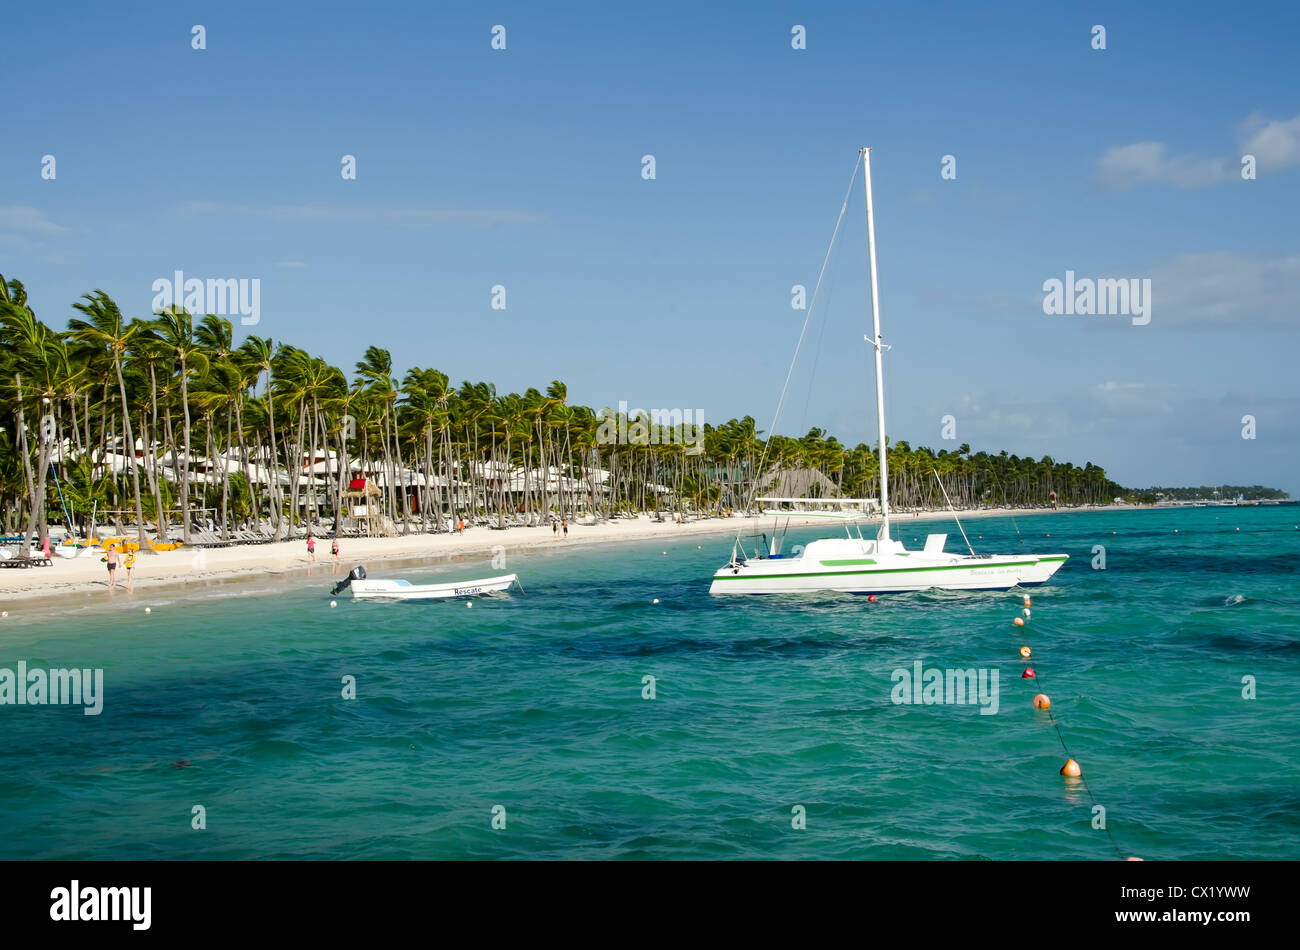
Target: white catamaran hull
{"type": "Point", "coordinates": [405, 590]}
{"type": "Point", "coordinates": [888, 574]}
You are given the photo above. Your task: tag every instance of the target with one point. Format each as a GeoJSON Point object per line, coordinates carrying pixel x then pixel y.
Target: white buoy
{"type": "Point", "coordinates": [469, 603]}
{"type": "Point", "coordinates": [148, 610]}
{"type": "Point", "coordinates": [656, 600]}
{"type": "Point", "coordinates": [4, 613]}
{"type": "Point", "coordinates": [334, 603]}
{"type": "Point", "coordinates": [1026, 611]}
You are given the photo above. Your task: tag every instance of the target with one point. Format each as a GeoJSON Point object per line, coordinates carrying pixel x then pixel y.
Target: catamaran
{"type": "Point", "coordinates": [856, 564]}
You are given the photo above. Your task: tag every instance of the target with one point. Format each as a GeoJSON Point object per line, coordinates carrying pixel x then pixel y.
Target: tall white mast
{"type": "Point", "coordinates": [879, 347]}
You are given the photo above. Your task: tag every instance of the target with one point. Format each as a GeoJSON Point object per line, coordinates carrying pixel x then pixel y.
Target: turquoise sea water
{"type": "Point", "coordinates": [229, 697]}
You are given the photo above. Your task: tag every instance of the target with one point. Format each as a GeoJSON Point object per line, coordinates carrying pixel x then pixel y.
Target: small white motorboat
{"type": "Point", "coordinates": [364, 588]}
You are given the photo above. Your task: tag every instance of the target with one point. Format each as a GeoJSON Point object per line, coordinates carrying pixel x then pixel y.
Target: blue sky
{"type": "Point", "coordinates": [522, 168]}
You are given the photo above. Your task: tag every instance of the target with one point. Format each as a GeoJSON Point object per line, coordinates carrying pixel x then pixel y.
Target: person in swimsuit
{"type": "Point", "coordinates": [111, 557]}
{"type": "Point", "coordinates": [334, 554]}
{"type": "Point", "coordinates": [311, 548]}
{"type": "Point", "coordinates": [129, 563]}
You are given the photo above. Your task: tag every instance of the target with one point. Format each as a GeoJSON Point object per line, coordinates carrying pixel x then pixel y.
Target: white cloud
{"type": "Point", "coordinates": [368, 214]}
{"type": "Point", "coordinates": [24, 218]}
{"type": "Point", "coordinates": [290, 265]}
{"type": "Point", "coordinates": [1275, 145]}
{"type": "Point", "coordinates": [1110, 398]}
{"type": "Point", "coordinates": [1203, 290]}
{"type": "Point", "coordinates": [1123, 166]}
{"type": "Point", "coordinates": [1227, 288]}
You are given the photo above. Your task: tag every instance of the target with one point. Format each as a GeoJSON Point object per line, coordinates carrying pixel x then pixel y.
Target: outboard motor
{"type": "Point", "coordinates": [357, 573]}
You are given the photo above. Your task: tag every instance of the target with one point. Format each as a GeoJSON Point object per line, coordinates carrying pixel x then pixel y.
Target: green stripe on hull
{"type": "Point", "coordinates": [892, 570]}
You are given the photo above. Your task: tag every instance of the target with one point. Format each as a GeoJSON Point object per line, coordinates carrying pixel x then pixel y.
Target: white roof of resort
{"type": "Point", "coordinates": [322, 471]}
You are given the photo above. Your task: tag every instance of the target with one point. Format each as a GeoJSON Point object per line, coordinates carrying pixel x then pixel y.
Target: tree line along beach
{"type": "Point", "coordinates": [240, 452]}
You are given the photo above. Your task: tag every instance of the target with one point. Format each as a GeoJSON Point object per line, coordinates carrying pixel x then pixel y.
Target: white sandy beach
{"type": "Point", "coordinates": [87, 576]}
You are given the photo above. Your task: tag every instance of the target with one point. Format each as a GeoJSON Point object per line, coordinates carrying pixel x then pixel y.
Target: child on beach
{"type": "Point", "coordinates": [311, 548]}
{"type": "Point", "coordinates": [129, 563]}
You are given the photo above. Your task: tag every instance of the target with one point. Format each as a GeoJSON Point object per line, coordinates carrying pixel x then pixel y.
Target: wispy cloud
{"type": "Point", "coordinates": [1227, 289]}
{"type": "Point", "coordinates": [1124, 166]}
{"type": "Point", "coordinates": [291, 265]}
{"type": "Point", "coordinates": [1275, 145]}
{"type": "Point", "coordinates": [1203, 290]}
{"type": "Point", "coordinates": [367, 214]}
{"type": "Point", "coordinates": [25, 218]}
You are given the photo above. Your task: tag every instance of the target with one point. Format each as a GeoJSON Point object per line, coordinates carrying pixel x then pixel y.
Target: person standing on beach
{"type": "Point", "coordinates": [129, 563]}
{"type": "Point", "coordinates": [334, 554]}
{"type": "Point", "coordinates": [311, 548]}
{"type": "Point", "coordinates": [555, 528]}
{"type": "Point", "coordinates": [110, 556]}
{"type": "Point", "coordinates": [566, 527]}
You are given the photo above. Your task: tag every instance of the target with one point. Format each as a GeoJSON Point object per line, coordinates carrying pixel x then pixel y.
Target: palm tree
{"type": "Point", "coordinates": [104, 328]}
{"type": "Point", "coordinates": [258, 353]}
{"type": "Point", "coordinates": [174, 330]}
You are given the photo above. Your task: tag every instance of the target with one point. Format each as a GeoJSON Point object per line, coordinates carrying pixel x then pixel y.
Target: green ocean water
{"type": "Point", "coordinates": [229, 697]}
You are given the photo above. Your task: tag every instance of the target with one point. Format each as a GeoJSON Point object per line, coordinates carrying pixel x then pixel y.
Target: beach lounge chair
{"type": "Point", "coordinates": [25, 562]}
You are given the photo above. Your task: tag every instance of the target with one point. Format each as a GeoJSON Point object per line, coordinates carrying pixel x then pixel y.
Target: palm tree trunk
{"type": "Point", "coordinates": [130, 440]}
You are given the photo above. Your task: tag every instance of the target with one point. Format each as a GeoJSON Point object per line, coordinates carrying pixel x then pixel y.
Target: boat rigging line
{"type": "Point", "coordinates": [812, 306]}
{"type": "Point", "coordinates": [954, 511]}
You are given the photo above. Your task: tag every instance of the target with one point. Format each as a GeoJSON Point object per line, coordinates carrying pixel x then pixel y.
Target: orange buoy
{"type": "Point", "coordinates": [1028, 674]}
{"type": "Point", "coordinates": [1042, 702]}
{"type": "Point", "coordinates": [1071, 769]}
{"type": "Point", "coordinates": [1025, 652]}
{"type": "Point", "coordinates": [1028, 603]}
{"type": "Point", "coordinates": [1019, 621]}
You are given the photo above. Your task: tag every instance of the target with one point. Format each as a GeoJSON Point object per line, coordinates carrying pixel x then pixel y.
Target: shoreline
{"type": "Point", "coordinates": [69, 581]}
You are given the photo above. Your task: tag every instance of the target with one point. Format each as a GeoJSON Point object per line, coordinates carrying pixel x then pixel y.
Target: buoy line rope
{"type": "Point", "coordinates": [1069, 758]}
{"type": "Point", "coordinates": [1105, 826]}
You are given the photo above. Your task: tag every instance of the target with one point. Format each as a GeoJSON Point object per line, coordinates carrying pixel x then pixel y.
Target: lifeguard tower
{"type": "Point", "coordinates": [362, 503]}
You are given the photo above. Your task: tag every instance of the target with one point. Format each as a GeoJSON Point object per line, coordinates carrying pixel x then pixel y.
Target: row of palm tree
{"type": "Point", "coordinates": [164, 423]}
